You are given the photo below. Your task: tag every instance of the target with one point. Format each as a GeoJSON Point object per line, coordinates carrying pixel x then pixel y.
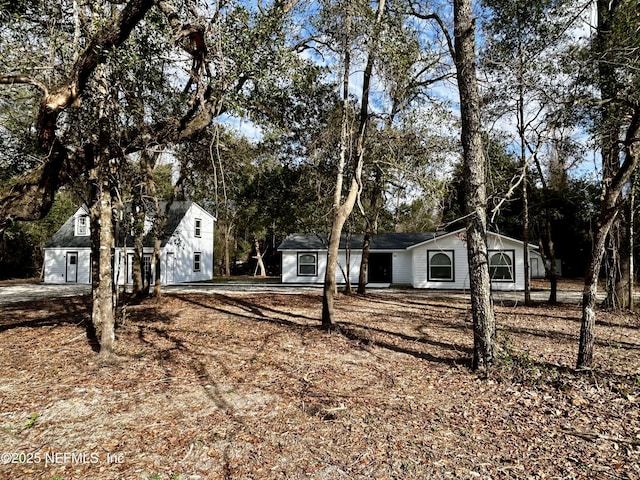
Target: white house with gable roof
{"type": "Point", "coordinates": [186, 253]}
{"type": "Point", "coordinates": [423, 260]}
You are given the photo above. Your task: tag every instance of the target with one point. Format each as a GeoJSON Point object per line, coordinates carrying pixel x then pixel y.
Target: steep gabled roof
{"type": "Point", "coordinates": [65, 237]}
{"type": "Point", "coordinates": [177, 211]}
{"type": "Point", "coordinates": [382, 241]}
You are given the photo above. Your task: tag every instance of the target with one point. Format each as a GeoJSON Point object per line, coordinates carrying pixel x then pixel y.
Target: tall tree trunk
{"type": "Point", "coordinates": [614, 175]}
{"type": "Point", "coordinates": [484, 325]}
{"type": "Point", "coordinates": [103, 312]}
{"type": "Point", "coordinates": [364, 262]}
{"type": "Point", "coordinates": [226, 255]}
{"type": "Point", "coordinates": [525, 181]}
{"type": "Point", "coordinates": [611, 127]}
{"type": "Point", "coordinates": [609, 207]}
{"type": "Point", "coordinates": [138, 245]}
{"type": "Point", "coordinates": [548, 254]}
{"type": "Point", "coordinates": [330, 287]}
{"type": "Point", "coordinates": [371, 228]}
{"type": "Point", "coordinates": [632, 207]}
{"type": "Point", "coordinates": [342, 212]}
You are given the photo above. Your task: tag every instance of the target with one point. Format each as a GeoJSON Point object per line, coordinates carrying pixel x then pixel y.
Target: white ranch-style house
{"type": "Point", "coordinates": [421, 260]}
{"type": "Point", "coordinates": [186, 253]}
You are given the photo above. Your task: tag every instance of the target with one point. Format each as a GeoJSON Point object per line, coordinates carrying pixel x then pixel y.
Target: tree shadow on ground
{"type": "Point", "coordinates": [73, 311]}
{"type": "Point", "coordinates": [362, 334]}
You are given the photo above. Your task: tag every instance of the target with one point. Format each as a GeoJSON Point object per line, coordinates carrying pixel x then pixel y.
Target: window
{"type": "Point", "coordinates": [197, 261]}
{"type": "Point", "coordinates": [198, 227]}
{"type": "Point", "coordinates": [146, 269]}
{"type": "Point", "coordinates": [307, 264]}
{"type": "Point", "coordinates": [82, 225]}
{"type": "Point", "coordinates": [501, 266]}
{"type": "Point", "coordinates": [440, 266]}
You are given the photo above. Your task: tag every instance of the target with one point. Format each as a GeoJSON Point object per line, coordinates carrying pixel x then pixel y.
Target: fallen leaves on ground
{"type": "Point", "coordinates": [248, 387]}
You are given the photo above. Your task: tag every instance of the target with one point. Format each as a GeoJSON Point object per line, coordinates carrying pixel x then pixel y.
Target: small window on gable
{"type": "Point", "coordinates": [307, 264]}
{"type": "Point", "coordinates": [82, 225]}
{"type": "Point", "coordinates": [198, 227]}
{"type": "Point", "coordinates": [197, 261]}
{"type": "Point", "coordinates": [501, 266]}
{"type": "Point", "coordinates": [441, 266]}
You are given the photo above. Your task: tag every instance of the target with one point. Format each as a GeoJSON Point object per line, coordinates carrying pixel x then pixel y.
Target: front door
{"type": "Point", "coordinates": [170, 268]}
{"type": "Point", "coordinates": [380, 267]}
{"type": "Point", "coordinates": [72, 267]}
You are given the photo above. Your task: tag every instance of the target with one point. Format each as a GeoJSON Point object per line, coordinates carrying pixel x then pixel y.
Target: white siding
{"type": "Point", "coordinates": [55, 265]}
{"type": "Point", "coordinates": [401, 264]}
{"type": "Point", "coordinates": [354, 266]}
{"type": "Point", "coordinates": [537, 265]}
{"type": "Point", "coordinates": [183, 244]}
{"type": "Point", "coordinates": [290, 267]}
{"type": "Point", "coordinates": [453, 244]}
{"type": "Point", "coordinates": [411, 266]}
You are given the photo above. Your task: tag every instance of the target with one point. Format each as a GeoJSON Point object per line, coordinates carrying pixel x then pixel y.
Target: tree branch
{"type": "Point", "coordinates": [21, 79]}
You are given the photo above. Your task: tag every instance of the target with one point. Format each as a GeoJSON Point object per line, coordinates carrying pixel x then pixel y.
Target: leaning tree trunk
{"type": "Point", "coordinates": [330, 286]}
{"type": "Point", "coordinates": [609, 207]}
{"type": "Point", "coordinates": [259, 260]}
{"type": "Point", "coordinates": [341, 212]}
{"type": "Point", "coordinates": [484, 325]}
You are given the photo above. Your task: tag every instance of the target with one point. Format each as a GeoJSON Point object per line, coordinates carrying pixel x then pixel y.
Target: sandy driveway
{"type": "Point", "coordinates": [14, 293]}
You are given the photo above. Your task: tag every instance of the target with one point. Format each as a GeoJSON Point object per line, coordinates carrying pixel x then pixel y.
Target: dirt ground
{"type": "Point", "coordinates": [241, 386]}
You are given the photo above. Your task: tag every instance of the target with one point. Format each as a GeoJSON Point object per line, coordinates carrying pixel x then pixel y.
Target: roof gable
{"type": "Point", "coordinates": [382, 241]}
{"type": "Point", "coordinates": [65, 237]}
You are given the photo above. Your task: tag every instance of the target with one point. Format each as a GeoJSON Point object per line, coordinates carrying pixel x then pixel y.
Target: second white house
{"type": "Point", "coordinates": [422, 260]}
{"type": "Point", "coordinates": [186, 253]}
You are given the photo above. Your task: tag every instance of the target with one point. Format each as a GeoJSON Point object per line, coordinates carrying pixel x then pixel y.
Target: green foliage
{"type": "Point", "coordinates": [21, 245]}
{"type": "Point", "coordinates": [31, 421]}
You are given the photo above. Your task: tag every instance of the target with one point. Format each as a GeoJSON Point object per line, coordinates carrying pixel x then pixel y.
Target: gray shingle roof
{"type": "Point", "coordinates": [65, 236]}
{"type": "Point", "coordinates": [382, 241]}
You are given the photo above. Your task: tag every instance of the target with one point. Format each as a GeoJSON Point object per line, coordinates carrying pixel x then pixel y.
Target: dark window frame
{"type": "Point", "coordinates": [452, 256]}
{"type": "Point", "coordinates": [315, 264]}
{"type": "Point", "coordinates": [511, 255]}
{"type": "Point", "coordinates": [197, 228]}
{"type": "Point", "coordinates": [197, 261]}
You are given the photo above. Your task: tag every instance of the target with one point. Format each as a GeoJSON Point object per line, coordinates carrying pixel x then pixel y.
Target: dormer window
{"type": "Point", "coordinates": [198, 228]}
{"type": "Point", "coordinates": [82, 225]}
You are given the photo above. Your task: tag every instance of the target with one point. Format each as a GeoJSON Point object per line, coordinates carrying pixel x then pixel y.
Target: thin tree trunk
{"type": "Point", "coordinates": [364, 262]}
{"type": "Point", "coordinates": [226, 234]}
{"type": "Point", "coordinates": [609, 207]}
{"type": "Point", "coordinates": [525, 196]}
{"type": "Point", "coordinates": [342, 212]}
{"type": "Point", "coordinates": [632, 202]}
{"type": "Point", "coordinates": [258, 257]}
{"type": "Point", "coordinates": [484, 326]}
{"type": "Point", "coordinates": [330, 286]}
{"type": "Point", "coordinates": [138, 243]}
{"type": "Point", "coordinates": [371, 228]}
